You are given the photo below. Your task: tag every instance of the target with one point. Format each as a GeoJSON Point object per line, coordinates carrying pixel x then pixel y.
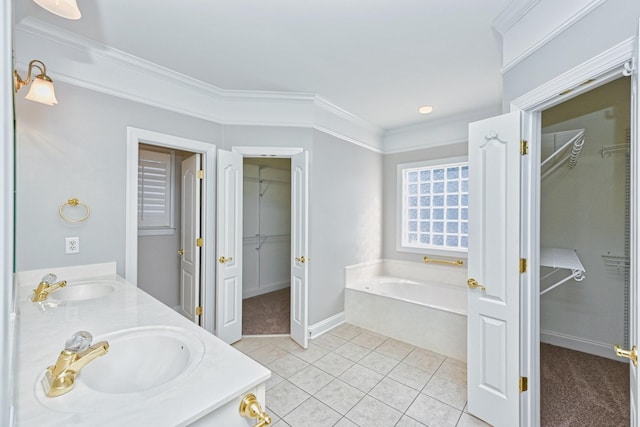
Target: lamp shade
{"type": "Point", "coordinates": [42, 91]}
{"type": "Point", "coordinates": [65, 8]}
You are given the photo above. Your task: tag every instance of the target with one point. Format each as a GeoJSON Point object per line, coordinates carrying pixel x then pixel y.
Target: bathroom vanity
{"type": "Point", "coordinates": [159, 369]}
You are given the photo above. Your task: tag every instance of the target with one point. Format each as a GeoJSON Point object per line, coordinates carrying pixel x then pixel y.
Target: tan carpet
{"type": "Point", "coordinates": [579, 389]}
{"type": "Point", "coordinates": [267, 314]}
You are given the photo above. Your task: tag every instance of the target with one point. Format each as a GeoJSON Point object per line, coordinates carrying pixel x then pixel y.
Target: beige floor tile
{"type": "Point", "coordinates": [410, 375]}
{"type": "Point", "coordinates": [369, 340]}
{"type": "Point", "coordinates": [371, 412]}
{"type": "Point", "coordinates": [272, 415]}
{"type": "Point", "coordinates": [311, 353]}
{"type": "Point", "coordinates": [287, 365]}
{"type": "Point", "coordinates": [394, 394]}
{"type": "Point", "coordinates": [249, 344]}
{"type": "Point", "coordinates": [287, 344]}
{"type": "Point", "coordinates": [395, 349]}
{"type": "Point", "coordinates": [312, 413]}
{"type": "Point", "coordinates": [432, 412]}
{"type": "Point", "coordinates": [467, 420]}
{"type": "Point", "coordinates": [378, 363]}
{"type": "Point", "coordinates": [311, 379]}
{"type": "Point", "coordinates": [344, 422]}
{"type": "Point", "coordinates": [352, 351]}
{"type": "Point", "coordinates": [284, 398]}
{"type": "Point", "coordinates": [265, 355]}
{"type": "Point", "coordinates": [452, 394]}
{"type": "Point", "coordinates": [362, 378]}
{"type": "Point", "coordinates": [454, 371]}
{"type": "Point", "coordinates": [339, 396]}
{"type": "Point", "coordinates": [328, 341]}
{"type": "Point", "coordinates": [424, 359]}
{"type": "Point", "coordinates": [406, 421]}
{"type": "Point", "coordinates": [334, 364]}
{"type": "Point", "coordinates": [346, 331]}
{"type": "Point", "coordinates": [274, 380]}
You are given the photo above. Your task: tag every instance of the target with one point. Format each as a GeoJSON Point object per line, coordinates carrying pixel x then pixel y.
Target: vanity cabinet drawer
{"type": "Point", "coordinates": [229, 415]}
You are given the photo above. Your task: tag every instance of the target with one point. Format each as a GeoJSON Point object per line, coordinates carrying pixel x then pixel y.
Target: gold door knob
{"type": "Point", "coordinates": [473, 284]}
{"type": "Point", "coordinates": [251, 408]}
{"type": "Point", "coordinates": [629, 354]}
{"type": "Point", "coordinates": [301, 259]}
{"type": "Point", "coordinates": [180, 252]}
{"type": "Point", "coordinates": [222, 259]}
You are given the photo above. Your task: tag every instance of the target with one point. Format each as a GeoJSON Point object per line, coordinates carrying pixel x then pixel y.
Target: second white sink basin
{"type": "Point", "coordinates": [141, 359]}
{"type": "Point", "coordinates": [81, 291]}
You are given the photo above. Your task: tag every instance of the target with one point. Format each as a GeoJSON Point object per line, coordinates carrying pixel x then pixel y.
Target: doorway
{"type": "Point", "coordinates": [584, 257]}
{"type": "Point", "coordinates": [266, 286]}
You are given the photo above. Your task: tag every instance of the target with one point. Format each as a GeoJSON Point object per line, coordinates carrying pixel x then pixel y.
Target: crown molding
{"type": "Point", "coordinates": [448, 130]}
{"type": "Point", "coordinates": [79, 61]}
{"type": "Point", "coordinates": [534, 24]}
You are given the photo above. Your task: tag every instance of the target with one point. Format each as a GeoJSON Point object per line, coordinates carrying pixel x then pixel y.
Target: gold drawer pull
{"type": "Point", "coordinates": [630, 354]}
{"type": "Point", "coordinates": [251, 408]}
{"type": "Point", "coordinates": [473, 284]}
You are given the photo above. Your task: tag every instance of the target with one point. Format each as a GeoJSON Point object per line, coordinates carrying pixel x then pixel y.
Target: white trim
{"type": "Point", "coordinates": [532, 40]}
{"type": "Point", "coordinates": [603, 68]}
{"type": "Point", "coordinates": [79, 61]}
{"type": "Point", "coordinates": [578, 344]}
{"type": "Point", "coordinates": [251, 151]}
{"type": "Point", "coordinates": [326, 325]}
{"type": "Point", "coordinates": [512, 13]}
{"type": "Point", "coordinates": [136, 136]}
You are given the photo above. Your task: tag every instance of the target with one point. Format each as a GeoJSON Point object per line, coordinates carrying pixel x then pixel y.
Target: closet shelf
{"type": "Point", "coordinates": [561, 259]}
{"type": "Point", "coordinates": [572, 142]}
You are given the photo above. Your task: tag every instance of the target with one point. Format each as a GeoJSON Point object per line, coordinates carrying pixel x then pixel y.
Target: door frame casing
{"type": "Point", "coordinates": [135, 137]}
{"type": "Point", "coordinates": [604, 68]}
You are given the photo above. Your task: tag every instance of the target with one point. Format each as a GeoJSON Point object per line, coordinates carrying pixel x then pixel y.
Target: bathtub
{"type": "Point", "coordinates": [426, 314]}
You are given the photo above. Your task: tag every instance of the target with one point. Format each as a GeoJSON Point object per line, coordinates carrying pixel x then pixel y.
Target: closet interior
{"type": "Point", "coordinates": [266, 246]}
{"type": "Point", "coordinates": [584, 257]}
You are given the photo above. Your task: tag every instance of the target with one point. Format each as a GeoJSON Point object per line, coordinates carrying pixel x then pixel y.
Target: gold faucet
{"type": "Point", "coordinates": [45, 287]}
{"type": "Point", "coordinates": [60, 378]}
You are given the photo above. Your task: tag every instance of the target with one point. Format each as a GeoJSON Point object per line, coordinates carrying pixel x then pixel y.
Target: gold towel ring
{"type": "Point", "coordinates": [73, 202]}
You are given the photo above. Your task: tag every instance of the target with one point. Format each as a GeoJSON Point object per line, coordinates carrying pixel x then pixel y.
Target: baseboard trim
{"type": "Point", "coordinates": [326, 325]}
{"type": "Point", "coordinates": [579, 344]}
{"type": "Point", "coordinates": [265, 289]}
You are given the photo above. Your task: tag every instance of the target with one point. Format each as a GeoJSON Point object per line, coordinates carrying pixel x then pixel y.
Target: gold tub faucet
{"type": "Point", "coordinates": [47, 285]}
{"type": "Point", "coordinates": [78, 351]}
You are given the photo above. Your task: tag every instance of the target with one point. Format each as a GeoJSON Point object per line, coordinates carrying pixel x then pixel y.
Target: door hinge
{"type": "Point", "coordinates": [200, 174]}
{"type": "Point", "coordinates": [524, 147]}
{"type": "Point", "coordinates": [524, 384]}
{"type": "Point", "coordinates": [199, 311]}
{"type": "Point", "coordinates": [523, 265]}
{"type": "Point", "coordinates": [199, 242]}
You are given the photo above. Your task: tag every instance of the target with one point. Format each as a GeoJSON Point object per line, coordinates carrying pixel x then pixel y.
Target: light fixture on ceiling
{"type": "Point", "coordinates": [41, 89]}
{"type": "Point", "coordinates": [65, 8]}
{"type": "Point", "coordinates": [426, 109]}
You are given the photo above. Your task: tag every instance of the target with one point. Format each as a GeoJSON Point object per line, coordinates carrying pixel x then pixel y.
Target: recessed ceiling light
{"type": "Point", "coordinates": [425, 110]}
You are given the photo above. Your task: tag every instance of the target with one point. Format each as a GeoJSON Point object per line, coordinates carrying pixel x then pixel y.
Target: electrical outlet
{"type": "Point", "coordinates": [72, 245]}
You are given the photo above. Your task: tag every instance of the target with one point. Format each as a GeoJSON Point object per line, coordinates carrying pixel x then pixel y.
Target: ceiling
{"type": "Point", "coordinates": [377, 59]}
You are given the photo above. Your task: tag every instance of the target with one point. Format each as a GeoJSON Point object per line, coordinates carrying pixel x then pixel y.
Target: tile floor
{"type": "Point", "coordinates": [353, 377]}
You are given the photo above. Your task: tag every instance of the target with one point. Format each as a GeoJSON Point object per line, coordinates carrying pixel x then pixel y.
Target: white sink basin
{"type": "Point", "coordinates": [141, 359]}
{"type": "Point", "coordinates": [141, 362]}
{"type": "Point", "coordinates": [81, 291]}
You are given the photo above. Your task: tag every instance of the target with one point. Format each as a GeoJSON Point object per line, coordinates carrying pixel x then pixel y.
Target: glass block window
{"type": "Point", "coordinates": [435, 206]}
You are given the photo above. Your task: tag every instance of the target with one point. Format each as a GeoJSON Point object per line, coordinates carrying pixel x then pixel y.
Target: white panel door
{"type": "Point", "coordinates": [229, 247]}
{"type": "Point", "coordinates": [493, 354]}
{"type": "Point", "coordinates": [299, 248]}
{"type": "Point", "coordinates": [189, 233]}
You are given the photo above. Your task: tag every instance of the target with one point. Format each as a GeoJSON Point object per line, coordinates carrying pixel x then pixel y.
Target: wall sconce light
{"type": "Point", "coordinates": [65, 8]}
{"type": "Point", "coordinates": [42, 87]}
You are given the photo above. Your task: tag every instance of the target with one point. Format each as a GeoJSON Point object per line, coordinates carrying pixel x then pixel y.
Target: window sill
{"type": "Point", "coordinates": [165, 231]}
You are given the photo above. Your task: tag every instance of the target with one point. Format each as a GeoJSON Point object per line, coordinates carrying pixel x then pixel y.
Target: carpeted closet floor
{"type": "Point", "coordinates": [579, 389]}
{"type": "Point", "coordinates": [267, 314]}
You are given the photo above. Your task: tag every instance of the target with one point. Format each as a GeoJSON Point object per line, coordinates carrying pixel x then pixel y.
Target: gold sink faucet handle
{"type": "Point", "coordinates": [251, 408]}
{"type": "Point", "coordinates": [47, 285]}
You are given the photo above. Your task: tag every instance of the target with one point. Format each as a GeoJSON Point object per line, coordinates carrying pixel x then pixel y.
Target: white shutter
{"type": "Point", "coordinates": [155, 192]}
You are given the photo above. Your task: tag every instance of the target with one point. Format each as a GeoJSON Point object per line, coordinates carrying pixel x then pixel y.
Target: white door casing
{"type": "Point", "coordinates": [189, 234]}
{"type": "Point", "coordinates": [299, 247]}
{"type": "Point", "coordinates": [493, 317]}
{"type": "Point", "coordinates": [229, 247]}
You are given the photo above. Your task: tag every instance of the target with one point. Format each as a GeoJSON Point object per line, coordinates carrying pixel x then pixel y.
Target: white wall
{"type": "Point", "coordinates": [390, 203]}
{"type": "Point", "coordinates": [266, 263]}
{"type": "Point", "coordinates": [78, 148]}
{"type": "Point", "coordinates": [584, 209]}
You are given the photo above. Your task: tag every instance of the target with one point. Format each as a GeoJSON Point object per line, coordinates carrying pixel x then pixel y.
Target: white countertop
{"type": "Point", "coordinates": [222, 374]}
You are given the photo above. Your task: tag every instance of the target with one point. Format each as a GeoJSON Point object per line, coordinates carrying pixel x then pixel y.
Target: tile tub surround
{"type": "Point", "coordinates": [222, 374]}
{"type": "Point", "coordinates": [350, 376]}
{"type": "Point", "coordinates": [429, 313]}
